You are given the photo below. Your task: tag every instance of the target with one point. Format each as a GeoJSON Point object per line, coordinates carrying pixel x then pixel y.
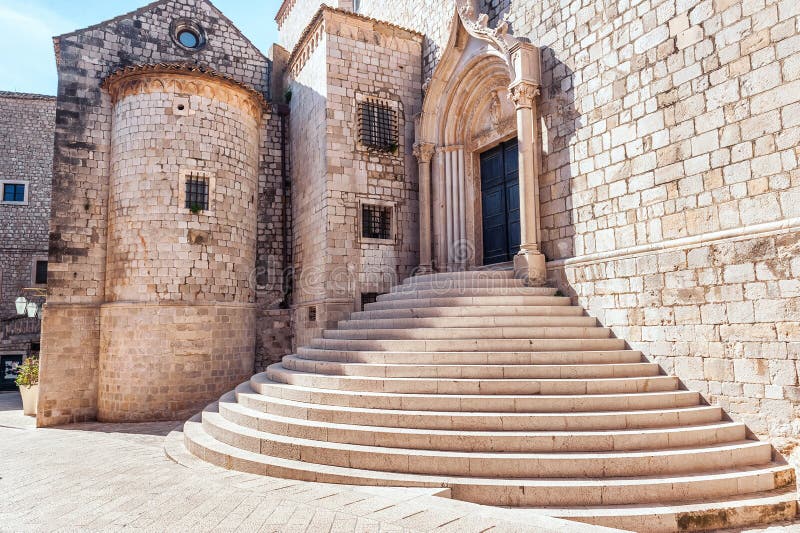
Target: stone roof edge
{"type": "Point", "coordinates": [188, 68]}
{"type": "Point", "coordinates": [26, 96]}
{"type": "Point", "coordinates": [143, 9]}
{"type": "Point", "coordinates": [317, 19]}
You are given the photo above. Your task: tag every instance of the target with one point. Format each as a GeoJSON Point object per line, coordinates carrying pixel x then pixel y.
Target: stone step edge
{"type": "Point", "coordinates": [266, 381]}
{"type": "Point", "coordinates": [193, 430]}
{"type": "Point", "coordinates": [215, 417]}
{"type": "Point", "coordinates": [440, 498]}
{"type": "Point", "coordinates": [336, 355]}
{"type": "Point", "coordinates": [278, 367]}
{"type": "Point", "coordinates": [724, 513]}
{"type": "Point", "coordinates": [246, 389]}
{"type": "Point", "coordinates": [230, 403]}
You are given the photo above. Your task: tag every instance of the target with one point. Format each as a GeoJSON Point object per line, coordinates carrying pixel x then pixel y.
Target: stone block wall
{"type": "Point", "coordinates": [26, 126]}
{"type": "Point", "coordinates": [81, 170]}
{"type": "Point", "coordinates": [342, 59]}
{"type": "Point", "coordinates": [665, 120]}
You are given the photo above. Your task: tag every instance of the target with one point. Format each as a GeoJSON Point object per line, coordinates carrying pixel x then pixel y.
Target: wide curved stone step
{"type": "Point", "coordinates": [469, 322]}
{"type": "Point", "coordinates": [465, 292]}
{"type": "Point", "coordinates": [506, 465]}
{"type": "Point", "coordinates": [459, 301]}
{"type": "Point", "coordinates": [563, 332]}
{"type": "Point", "coordinates": [473, 283]}
{"type": "Point", "coordinates": [518, 492]}
{"type": "Point", "coordinates": [483, 441]}
{"type": "Point", "coordinates": [470, 345]}
{"type": "Point", "coordinates": [507, 395]}
{"type": "Point", "coordinates": [576, 357]}
{"type": "Point", "coordinates": [465, 275]}
{"type": "Point", "coordinates": [479, 421]}
{"type": "Point", "coordinates": [508, 386]}
{"type": "Point", "coordinates": [455, 371]}
{"type": "Point", "coordinates": [478, 403]}
{"type": "Point", "coordinates": [482, 311]}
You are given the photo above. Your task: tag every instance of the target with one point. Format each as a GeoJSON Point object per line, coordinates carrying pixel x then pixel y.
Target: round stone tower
{"type": "Point", "coordinates": [178, 327]}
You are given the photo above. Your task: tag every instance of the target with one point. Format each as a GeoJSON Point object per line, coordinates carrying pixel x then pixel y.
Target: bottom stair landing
{"type": "Point", "coordinates": [509, 396]}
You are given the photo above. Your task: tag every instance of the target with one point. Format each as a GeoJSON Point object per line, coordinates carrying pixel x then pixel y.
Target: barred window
{"type": "Point", "coordinates": [376, 221]}
{"type": "Point", "coordinates": [378, 125]}
{"type": "Point", "coordinates": [196, 193]}
{"type": "Point", "coordinates": [312, 313]}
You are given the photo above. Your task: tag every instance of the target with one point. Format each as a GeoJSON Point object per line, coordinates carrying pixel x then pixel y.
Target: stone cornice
{"type": "Point", "coordinates": [184, 78]}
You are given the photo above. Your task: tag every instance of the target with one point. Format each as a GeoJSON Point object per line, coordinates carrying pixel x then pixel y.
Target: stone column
{"type": "Point", "coordinates": [424, 152]}
{"type": "Point", "coordinates": [529, 263]}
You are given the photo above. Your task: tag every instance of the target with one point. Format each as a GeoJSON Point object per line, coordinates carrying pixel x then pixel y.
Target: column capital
{"type": "Point", "coordinates": [523, 94]}
{"type": "Point", "coordinates": [424, 151]}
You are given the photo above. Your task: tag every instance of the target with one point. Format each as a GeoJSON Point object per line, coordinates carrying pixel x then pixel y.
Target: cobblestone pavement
{"type": "Point", "coordinates": [109, 477]}
{"type": "Point", "coordinates": [106, 477]}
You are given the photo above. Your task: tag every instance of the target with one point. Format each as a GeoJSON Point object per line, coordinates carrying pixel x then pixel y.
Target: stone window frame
{"type": "Point", "coordinates": [394, 105]}
{"type": "Point", "coordinates": [34, 260]}
{"type": "Point", "coordinates": [185, 24]}
{"type": "Point", "coordinates": [26, 183]}
{"type": "Point", "coordinates": [212, 186]}
{"type": "Point", "coordinates": [392, 240]}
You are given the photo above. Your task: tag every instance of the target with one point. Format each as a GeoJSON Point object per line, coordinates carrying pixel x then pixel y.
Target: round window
{"type": "Point", "coordinates": [188, 35]}
{"type": "Point", "coordinates": [188, 38]}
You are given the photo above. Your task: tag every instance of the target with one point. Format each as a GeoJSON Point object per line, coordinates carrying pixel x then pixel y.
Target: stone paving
{"type": "Point", "coordinates": [108, 477]}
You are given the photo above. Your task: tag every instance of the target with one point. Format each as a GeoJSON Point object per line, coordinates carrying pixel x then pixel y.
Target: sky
{"type": "Point", "coordinates": [27, 63]}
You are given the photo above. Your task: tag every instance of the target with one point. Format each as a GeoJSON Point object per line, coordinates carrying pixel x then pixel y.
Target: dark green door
{"type": "Point", "coordinates": [500, 201]}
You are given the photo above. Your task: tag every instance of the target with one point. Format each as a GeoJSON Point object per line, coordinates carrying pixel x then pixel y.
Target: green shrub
{"type": "Point", "coordinates": [28, 373]}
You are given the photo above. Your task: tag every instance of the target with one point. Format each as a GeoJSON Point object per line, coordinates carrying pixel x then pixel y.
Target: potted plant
{"type": "Point", "coordinates": [28, 383]}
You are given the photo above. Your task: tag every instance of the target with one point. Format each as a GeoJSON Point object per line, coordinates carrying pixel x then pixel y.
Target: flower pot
{"type": "Point", "coordinates": [30, 399]}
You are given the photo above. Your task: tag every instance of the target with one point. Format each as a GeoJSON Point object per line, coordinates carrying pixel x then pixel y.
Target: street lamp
{"type": "Point", "coordinates": [22, 304]}
{"type": "Point", "coordinates": [32, 309]}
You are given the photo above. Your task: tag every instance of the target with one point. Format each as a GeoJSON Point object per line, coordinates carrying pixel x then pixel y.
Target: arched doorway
{"type": "Point", "coordinates": [475, 195]}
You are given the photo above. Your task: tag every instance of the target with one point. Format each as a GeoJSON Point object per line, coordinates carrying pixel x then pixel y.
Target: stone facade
{"type": "Point", "coordinates": [666, 136]}
{"type": "Point", "coordinates": [26, 125]}
{"type": "Point", "coordinates": [669, 125]}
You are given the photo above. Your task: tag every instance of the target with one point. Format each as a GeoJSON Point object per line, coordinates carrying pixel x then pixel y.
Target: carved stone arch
{"type": "Point", "coordinates": [478, 96]}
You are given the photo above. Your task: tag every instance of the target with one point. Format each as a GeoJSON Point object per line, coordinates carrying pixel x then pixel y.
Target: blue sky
{"type": "Point", "coordinates": [27, 27]}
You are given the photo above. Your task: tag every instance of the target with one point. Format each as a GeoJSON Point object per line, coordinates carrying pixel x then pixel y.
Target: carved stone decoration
{"type": "Point", "coordinates": [424, 151]}
{"type": "Point", "coordinates": [479, 28]}
{"type": "Point", "coordinates": [524, 94]}
{"type": "Point", "coordinates": [496, 110]}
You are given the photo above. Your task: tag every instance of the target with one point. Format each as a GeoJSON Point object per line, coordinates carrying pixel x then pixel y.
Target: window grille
{"type": "Point", "coordinates": [376, 221]}
{"type": "Point", "coordinates": [378, 126]}
{"type": "Point", "coordinates": [41, 273]}
{"type": "Point", "coordinates": [312, 313]}
{"type": "Point", "coordinates": [368, 298]}
{"type": "Point", "coordinates": [196, 193]}
{"type": "Point", "coordinates": [14, 192]}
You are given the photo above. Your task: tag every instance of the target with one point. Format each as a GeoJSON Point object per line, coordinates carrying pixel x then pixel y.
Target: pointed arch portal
{"type": "Point", "coordinates": [482, 93]}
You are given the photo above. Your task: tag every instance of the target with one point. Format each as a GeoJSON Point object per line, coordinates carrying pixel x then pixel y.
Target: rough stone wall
{"type": "Point", "coordinates": [308, 134]}
{"type": "Point", "coordinates": [273, 276]}
{"type": "Point", "coordinates": [357, 174]}
{"type": "Point", "coordinates": [26, 128]}
{"type": "Point", "coordinates": [342, 59]}
{"type": "Point", "coordinates": [78, 233]}
{"type": "Point", "coordinates": [666, 120]}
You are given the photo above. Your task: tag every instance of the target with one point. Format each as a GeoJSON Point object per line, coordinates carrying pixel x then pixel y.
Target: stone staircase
{"type": "Point", "coordinates": [508, 396]}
